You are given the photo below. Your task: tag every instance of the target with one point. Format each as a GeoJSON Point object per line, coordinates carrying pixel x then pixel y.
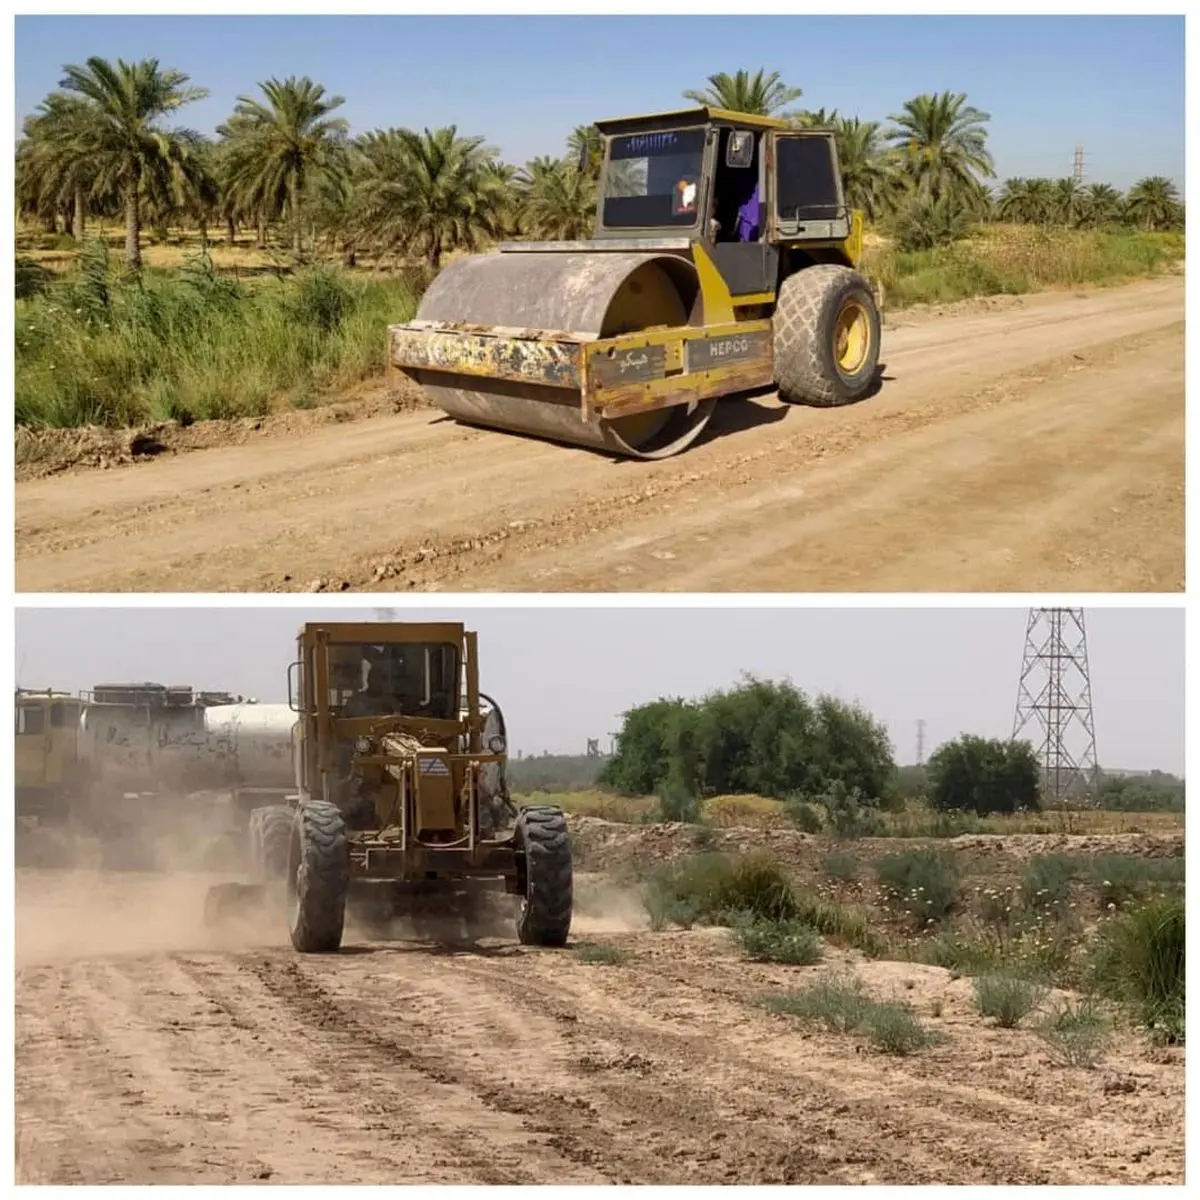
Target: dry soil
{"type": "Point", "coordinates": [1025, 445]}
{"type": "Point", "coordinates": [152, 1050]}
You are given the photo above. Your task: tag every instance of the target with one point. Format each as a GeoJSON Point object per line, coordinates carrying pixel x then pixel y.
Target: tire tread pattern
{"type": "Point", "coordinates": [545, 918]}
{"type": "Point", "coordinates": [317, 890]}
{"type": "Point", "coordinates": [805, 313]}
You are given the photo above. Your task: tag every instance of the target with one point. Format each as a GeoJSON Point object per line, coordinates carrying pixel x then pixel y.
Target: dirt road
{"type": "Point", "coordinates": [146, 1052]}
{"type": "Point", "coordinates": [1035, 446]}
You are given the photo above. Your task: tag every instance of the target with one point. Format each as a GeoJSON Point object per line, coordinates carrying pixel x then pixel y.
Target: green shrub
{"type": "Point", "coordinates": [842, 866]}
{"type": "Point", "coordinates": [1007, 999]}
{"type": "Point", "coordinates": [779, 942]}
{"type": "Point", "coordinates": [839, 923]}
{"type": "Point", "coordinates": [1119, 879]}
{"type": "Point", "coordinates": [1139, 959]}
{"type": "Point", "coordinates": [1047, 880]}
{"type": "Point", "coordinates": [608, 956]}
{"type": "Point", "coordinates": [837, 1002]}
{"type": "Point", "coordinates": [1077, 1032]}
{"type": "Point", "coordinates": [895, 1029]}
{"type": "Point", "coordinates": [712, 887]}
{"type": "Point", "coordinates": [804, 816]}
{"type": "Point", "coordinates": [923, 883]}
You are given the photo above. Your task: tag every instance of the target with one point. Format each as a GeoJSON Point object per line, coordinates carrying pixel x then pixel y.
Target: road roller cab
{"type": "Point", "coordinates": [403, 795]}
{"type": "Point", "coordinates": [723, 260]}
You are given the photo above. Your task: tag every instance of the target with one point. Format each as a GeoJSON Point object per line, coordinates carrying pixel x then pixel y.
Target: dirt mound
{"type": "Point", "coordinates": [607, 846]}
{"type": "Point", "coordinates": [44, 452]}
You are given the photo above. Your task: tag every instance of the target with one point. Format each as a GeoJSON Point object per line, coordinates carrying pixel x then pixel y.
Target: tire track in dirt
{"type": "Point", "coordinates": [775, 499]}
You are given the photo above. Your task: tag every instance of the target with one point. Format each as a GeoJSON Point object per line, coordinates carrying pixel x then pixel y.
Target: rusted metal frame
{"type": "Point", "coordinates": [491, 355]}
{"type": "Point", "coordinates": [351, 727]}
{"type": "Point", "coordinates": [675, 384]}
{"type": "Point", "coordinates": [316, 646]}
{"type": "Point", "coordinates": [470, 665]}
{"type": "Point", "coordinates": [382, 633]}
{"type": "Point", "coordinates": [385, 860]}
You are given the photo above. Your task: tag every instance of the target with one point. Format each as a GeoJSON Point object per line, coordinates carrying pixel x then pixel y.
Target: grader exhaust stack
{"type": "Point", "coordinates": [724, 260]}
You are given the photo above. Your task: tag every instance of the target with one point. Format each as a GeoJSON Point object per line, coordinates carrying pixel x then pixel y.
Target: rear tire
{"type": "Point", "coordinates": [318, 878]}
{"type": "Point", "coordinates": [271, 841]}
{"type": "Point", "coordinates": [815, 362]}
{"type": "Point", "coordinates": [542, 840]}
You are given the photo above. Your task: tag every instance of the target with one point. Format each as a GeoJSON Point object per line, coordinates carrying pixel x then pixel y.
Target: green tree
{"type": "Point", "coordinates": [942, 146]}
{"type": "Point", "coordinates": [1153, 204]}
{"type": "Point", "coordinates": [434, 191]}
{"type": "Point", "coordinates": [54, 174]}
{"type": "Point", "coordinates": [982, 775]}
{"type": "Point", "coordinates": [123, 138]}
{"type": "Point", "coordinates": [871, 179]}
{"type": "Point", "coordinates": [285, 140]}
{"type": "Point", "coordinates": [761, 94]}
{"type": "Point", "coordinates": [558, 201]}
{"type": "Point", "coordinates": [1102, 205]}
{"type": "Point", "coordinates": [640, 757]}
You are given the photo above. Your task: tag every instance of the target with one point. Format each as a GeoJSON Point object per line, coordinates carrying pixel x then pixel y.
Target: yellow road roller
{"type": "Point", "coordinates": [724, 259]}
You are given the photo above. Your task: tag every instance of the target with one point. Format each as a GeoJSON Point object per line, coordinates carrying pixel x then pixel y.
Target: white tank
{"type": "Point", "coordinates": [192, 748]}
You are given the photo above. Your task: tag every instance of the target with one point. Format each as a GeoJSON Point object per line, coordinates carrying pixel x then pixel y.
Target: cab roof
{"type": "Point", "coordinates": [690, 116]}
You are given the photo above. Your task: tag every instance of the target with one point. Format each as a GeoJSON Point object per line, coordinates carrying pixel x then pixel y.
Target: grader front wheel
{"type": "Point", "coordinates": [318, 878]}
{"type": "Point", "coordinates": [826, 331]}
{"type": "Point", "coordinates": [542, 841]}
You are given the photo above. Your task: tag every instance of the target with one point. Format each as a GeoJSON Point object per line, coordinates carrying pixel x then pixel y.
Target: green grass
{"type": "Point", "coordinates": [101, 349]}
{"type": "Point", "coordinates": [840, 1004]}
{"type": "Point", "coordinates": [1078, 1032]}
{"type": "Point", "coordinates": [1139, 959]}
{"type": "Point", "coordinates": [718, 889]}
{"type": "Point", "coordinates": [1014, 261]}
{"type": "Point", "coordinates": [786, 942]}
{"type": "Point", "coordinates": [607, 956]}
{"type": "Point", "coordinates": [1007, 999]}
{"type": "Point", "coordinates": [922, 883]}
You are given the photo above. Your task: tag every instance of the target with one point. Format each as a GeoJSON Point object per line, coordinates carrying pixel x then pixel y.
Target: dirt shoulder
{"type": "Point", "coordinates": [1034, 446]}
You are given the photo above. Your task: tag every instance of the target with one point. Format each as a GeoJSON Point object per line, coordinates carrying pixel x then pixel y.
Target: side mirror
{"type": "Point", "coordinates": [292, 697]}
{"type": "Point", "coordinates": [739, 150]}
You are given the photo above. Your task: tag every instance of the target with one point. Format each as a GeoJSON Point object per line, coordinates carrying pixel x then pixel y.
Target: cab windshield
{"type": "Point", "coordinates": [419, 679]}
{"type": "Point", "coordinates": [653, 180]}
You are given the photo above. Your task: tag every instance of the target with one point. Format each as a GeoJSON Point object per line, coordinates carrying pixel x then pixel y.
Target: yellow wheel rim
{"type": "Point", "coordinates": [852, 338]}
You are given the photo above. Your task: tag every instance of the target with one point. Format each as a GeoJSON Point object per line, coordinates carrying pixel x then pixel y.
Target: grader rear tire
{"type": "Point", "coordinates": [318, 878]}
{"type": "Point", "coordinates": [271, 841]}
{"type": "Point", "coordinates": [826, 331]}
{"type": "Point", "coordinates": [541, 836]}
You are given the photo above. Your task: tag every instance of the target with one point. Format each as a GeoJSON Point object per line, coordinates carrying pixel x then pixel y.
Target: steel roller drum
{"type": "Point", "coordinates": [595, 295]}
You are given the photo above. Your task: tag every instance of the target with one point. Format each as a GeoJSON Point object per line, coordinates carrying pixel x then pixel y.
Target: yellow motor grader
{"type": "Point", "coordinates": [402, 789]}
{"type": "Point", "coordinates": [724, 260]}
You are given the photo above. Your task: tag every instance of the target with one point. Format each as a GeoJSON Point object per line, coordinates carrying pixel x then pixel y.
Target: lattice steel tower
{"type": "Point", "coordinates": [1054, 704]}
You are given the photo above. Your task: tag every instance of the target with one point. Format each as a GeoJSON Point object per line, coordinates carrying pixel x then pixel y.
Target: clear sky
{"type": "Point", "coordinates": [1115, 85]}
{"type": "Point", "coordinates": [564, 675]}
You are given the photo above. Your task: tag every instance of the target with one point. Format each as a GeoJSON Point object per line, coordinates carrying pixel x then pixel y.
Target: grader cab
{"type": "Point", "coordinates": [724, 260]}
{"type": "Point", "coordinates": [403, 787]}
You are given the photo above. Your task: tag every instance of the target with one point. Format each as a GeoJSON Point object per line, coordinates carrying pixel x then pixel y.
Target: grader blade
{"type": "Point", "coordinates": [501, 340]}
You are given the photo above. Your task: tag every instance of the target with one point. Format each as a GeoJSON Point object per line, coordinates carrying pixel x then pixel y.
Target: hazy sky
{"type": "Point", "coordinates": [564, 675]}
{"type": "Point", "coordinates": [1113, 84]}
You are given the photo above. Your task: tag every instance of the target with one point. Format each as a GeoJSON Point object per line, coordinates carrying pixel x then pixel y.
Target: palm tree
{"type": "Point", "coordinates": [815, 118]}
{"type": "Point", "coordinates": [1153, 203]}
{"type": "Point", "coordinates": [53, 173]}
{"type": "Point", "coordinates": [433, 191]}
{"type": "Point", "coordinates": [558, 200]}
{"type": "Point", "coordinates": [586, 136]}
{"type": "Point", "coordinates": [1070, 201]}
{"type": "Point", "coordinates": [122, 136]}
{"type": "Point", "coordinates": [871, 180]}
{"type": "Point", "coordinates": [1102, 205]}
{"type": "Point", "coordinates": [759, 94]}
{"type": "Point", "coordinates": [284, 142]}
{"type": "Point", "coordinates": [943, 145]}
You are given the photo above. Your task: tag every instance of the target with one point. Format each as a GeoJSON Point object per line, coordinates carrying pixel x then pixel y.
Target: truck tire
{"type": "Point", "coordinates": [271, 840]}
{"type": "Point", "coordinates": [318, 878]}
{"type": "Point", "coordinates": [544, 851]}
{"type": "Point", "coordinates": [826, 333]}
